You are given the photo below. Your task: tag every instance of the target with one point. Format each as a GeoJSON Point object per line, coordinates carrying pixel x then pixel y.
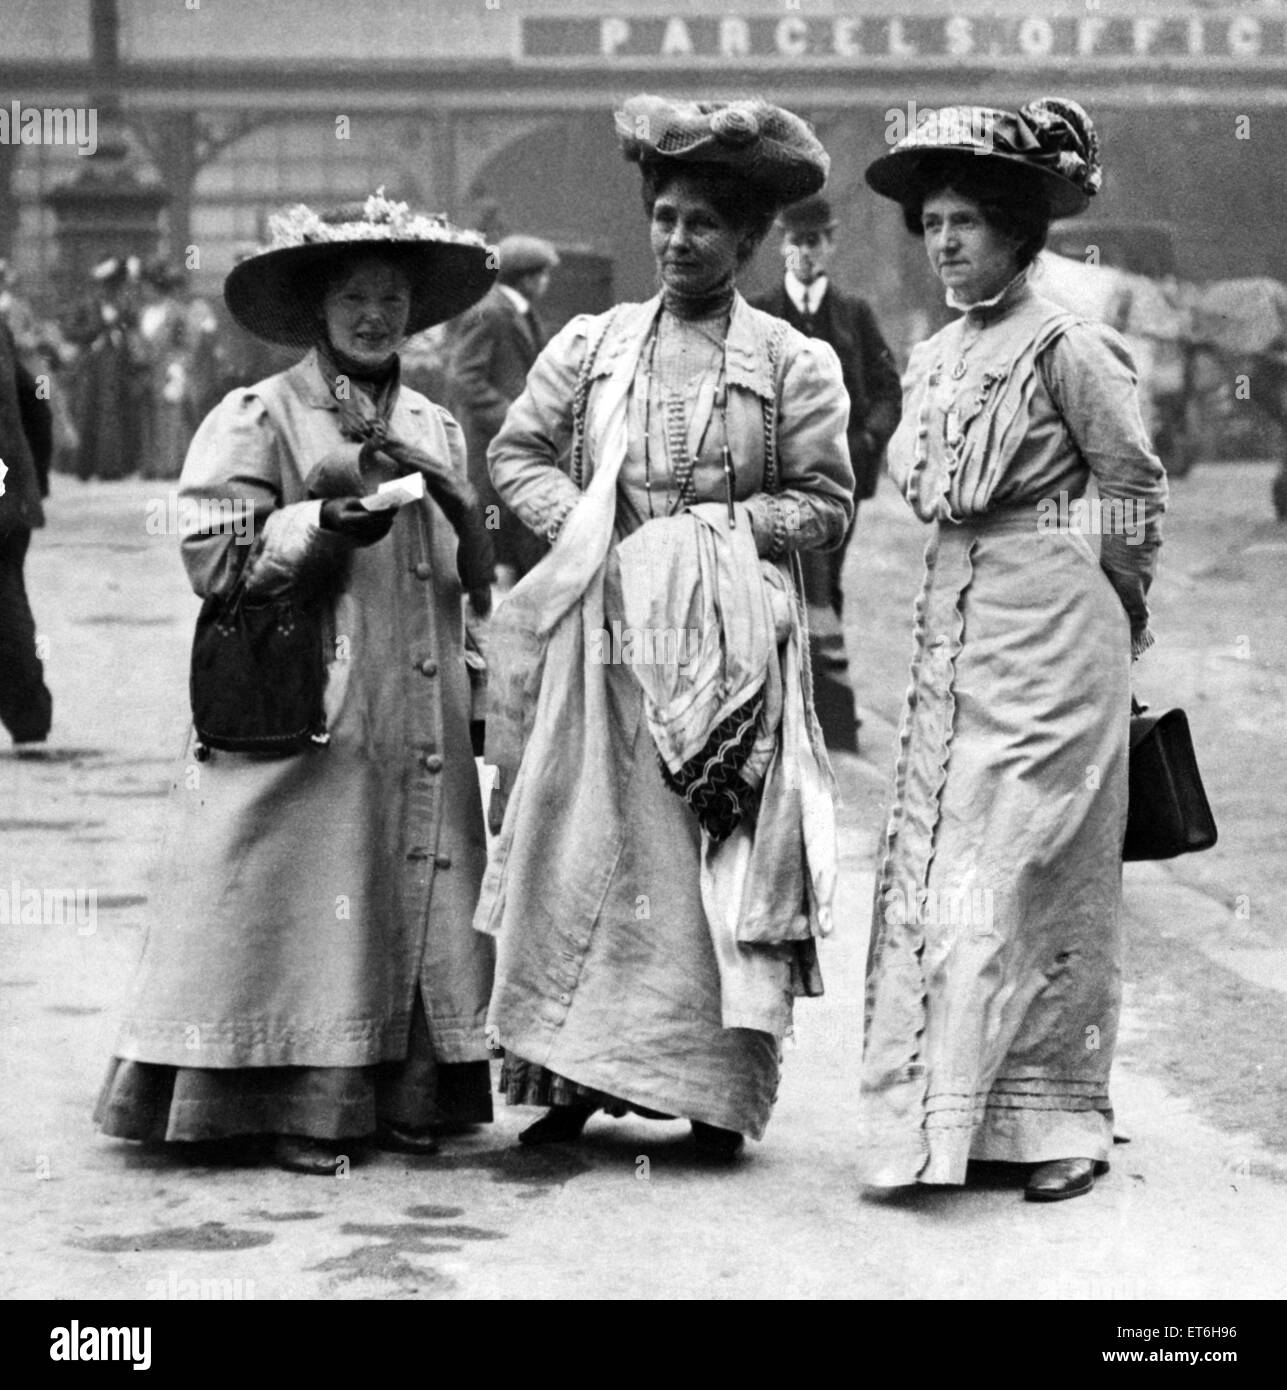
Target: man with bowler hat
{"type": "Point", "coordinates": [809, 300]}
{"type": "Point", "coordinates": [496, 343]}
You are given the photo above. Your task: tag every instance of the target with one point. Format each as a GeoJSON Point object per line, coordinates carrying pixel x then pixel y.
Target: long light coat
{"type": "Point", "coordinates": [304, 899]}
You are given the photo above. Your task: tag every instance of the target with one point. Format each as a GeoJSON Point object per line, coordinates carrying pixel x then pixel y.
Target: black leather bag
{"type": "Point", "coordinates": [258, 676]}
{"type": "Point", "coordinates": [1168, 813]}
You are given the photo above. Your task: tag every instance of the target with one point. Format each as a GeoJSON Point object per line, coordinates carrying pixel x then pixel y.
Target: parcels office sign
{"type": "Point", "coordinates": [1232, 38]}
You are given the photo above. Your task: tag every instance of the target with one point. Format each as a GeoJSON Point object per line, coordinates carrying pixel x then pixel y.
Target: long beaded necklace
{"type": "Point", "coordinates": [677, 436]}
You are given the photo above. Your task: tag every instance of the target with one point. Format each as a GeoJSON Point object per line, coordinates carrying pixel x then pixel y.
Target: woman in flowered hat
{"type": "Point", "coordinates": [667, 853]}
{"type": "Point", "coordinates": [310, 971]}
{"type": "Point", "coordinates": [994, 978]}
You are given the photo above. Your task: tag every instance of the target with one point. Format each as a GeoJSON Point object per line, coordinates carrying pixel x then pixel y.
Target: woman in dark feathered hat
{"type": "Point", "coordinates": [310, 972]}
{"type": "Point", "coordinates": [657, 883]}
{"type": "Point", "coordinates": [995, 966]}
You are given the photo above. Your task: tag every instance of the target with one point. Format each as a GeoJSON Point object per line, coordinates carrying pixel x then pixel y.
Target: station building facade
{"type": "Point", "coordinates": [498, 112]}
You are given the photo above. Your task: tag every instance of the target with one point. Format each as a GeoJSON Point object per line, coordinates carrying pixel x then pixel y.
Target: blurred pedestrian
{"type": "Point", "coordinates": [175, 336]}
{"type": "Point", "coordinates": [668, 848]}
{"type": "Point", "coordinates": [26, 706]}
{"type": "Point", "coordinates": [112, 384]}
{"type": "Point", "coordinates": [811, 301]}
{"type": "Point", "coordinates": [494, 346]}
{"type": "Point", "coordinates": [994, 975]}
{"type": "Point", "coordinates": [311, 972]}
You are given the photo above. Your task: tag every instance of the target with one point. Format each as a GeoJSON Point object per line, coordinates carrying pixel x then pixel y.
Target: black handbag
{"type": "Point", "coordinates": [1168, 812]}
{"type": "Point", "coordinates": [258, 675]}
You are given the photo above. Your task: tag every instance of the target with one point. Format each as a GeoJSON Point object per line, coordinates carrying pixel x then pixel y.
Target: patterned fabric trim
{"type": "Point", "coordinates": [710, 781]}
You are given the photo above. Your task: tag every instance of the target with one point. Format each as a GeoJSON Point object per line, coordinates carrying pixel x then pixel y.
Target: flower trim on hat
{"type": "Point", "coordinates": [382, 219]}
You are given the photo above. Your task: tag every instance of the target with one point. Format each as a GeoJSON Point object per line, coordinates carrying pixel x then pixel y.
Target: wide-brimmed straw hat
{"type": "Point", "coordinates": [772, 148]}
{"type": "Point", "coordinates": [276, 294]}
{"type": "Point", "coordinates": [1051, 141]}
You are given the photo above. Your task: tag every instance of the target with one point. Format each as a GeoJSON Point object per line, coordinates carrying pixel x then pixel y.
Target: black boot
{"type": "Point", "coordinates": [561, 1124]}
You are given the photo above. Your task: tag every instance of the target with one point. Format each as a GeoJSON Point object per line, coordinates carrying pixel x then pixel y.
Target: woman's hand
{"type": "Point", "coordinates": [346, 516]}
{"type": "Point", "coordinates": [475, 557]}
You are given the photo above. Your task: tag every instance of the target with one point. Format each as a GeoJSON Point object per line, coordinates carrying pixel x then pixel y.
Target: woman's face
{"type": "Point", "coordinates": [695, 248]}
{"type": "Point", "coordinates": [968, 254]}
{"type": "Point", "coordinates": [366, 312]}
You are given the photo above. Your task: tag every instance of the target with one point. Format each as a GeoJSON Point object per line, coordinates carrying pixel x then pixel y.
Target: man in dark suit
{"type": "Point", "coordinates": [809, 301]}
{"type": "Point", "coordinates": [495, 344]}
{"type": "Point", "coordinates": [26, 442]}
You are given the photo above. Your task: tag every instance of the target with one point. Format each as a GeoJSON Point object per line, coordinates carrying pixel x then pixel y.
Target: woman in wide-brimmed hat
{"type": "Point", "coordinates": [667, 852]}
{"type": "Point", "coordinates": [310, 971]}
{"type": "Point", "coordinates": [994, 970]}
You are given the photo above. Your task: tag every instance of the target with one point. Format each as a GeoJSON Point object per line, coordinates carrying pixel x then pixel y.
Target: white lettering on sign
{"type": "Point", "coordinates": [1244, 37]}
{"type": "Point", "coordinates": [734, 38]}
{"type": "Point", "coordinates": [959, 33]}
{"type": "Point", "coordinates": [613, 34]}
{"type": "Point", "coordinates": [1088, 32]}
{"type": "Point", "coordinates": [1036, 37]}
{"type": "Point", "coordinates": [1143, 32]}
{"type": "Point", "coordinates": [792, 37]}
{"type": "Point", "coordinates": [899, 46]}
{"type": "Point", "coordinates": [678, 42]}
{"type": "Point", "coordinates": [1223, 38]}
{"type": "Point", "coordinates": [845, 40]}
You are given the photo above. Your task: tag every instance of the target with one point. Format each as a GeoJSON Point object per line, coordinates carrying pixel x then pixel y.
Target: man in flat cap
{"type": "Point", "coordinates": [809, 300]}
{"type": "Point", "coordinates": [496, 343]}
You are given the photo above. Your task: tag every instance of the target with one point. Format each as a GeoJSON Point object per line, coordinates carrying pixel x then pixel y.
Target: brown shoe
{"type": "Point", "coordinates": [297, 1153]}
{"type": "Point", "coordinates": [1063, 1178]}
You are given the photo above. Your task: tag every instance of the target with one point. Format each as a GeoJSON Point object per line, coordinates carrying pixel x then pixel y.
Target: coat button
{"type": "Point", "coordinates": [424, 570]}
{"type": "Point", "coordinates": [565, 998]}
{"type": "Point", "coordinates": [433, 762]}
{"type": "Point", "coordinates": [442, 861]}
{"type": "Point", "coordinates": [428, 668]}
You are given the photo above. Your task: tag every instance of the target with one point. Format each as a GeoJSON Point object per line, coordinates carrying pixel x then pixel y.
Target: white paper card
{"type": "Point", "coordinates": [396, 493]}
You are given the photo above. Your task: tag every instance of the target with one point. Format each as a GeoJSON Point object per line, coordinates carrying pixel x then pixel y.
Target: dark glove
{"type": "Point", "coordinates": [346, 516]}
{"type": "Point", "coordinates": [456, 496]}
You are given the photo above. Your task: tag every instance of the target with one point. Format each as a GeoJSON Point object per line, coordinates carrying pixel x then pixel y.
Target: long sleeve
{"type": "Point", "coordinates": [473, 381]}
{"type": "Point", "coordinates": [884, 393]}
{"type": "Point", "coordinates": [230, 493]}
{"type": "Point", "coordinates": [1092, 379]}
{"type": "Point", "coordinates": [815, 503]}
{"type": "Point", "coordinates": [526, 456]}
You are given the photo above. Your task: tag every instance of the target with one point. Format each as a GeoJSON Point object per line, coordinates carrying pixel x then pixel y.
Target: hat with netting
{"type": "Point", "coordinates": [277, 293]}
{"type": "Point", "coordinates": [771, 147]}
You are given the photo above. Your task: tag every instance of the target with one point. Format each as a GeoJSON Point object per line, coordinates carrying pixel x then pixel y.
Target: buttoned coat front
{"type": "Point", "coordinates": [303, 900]}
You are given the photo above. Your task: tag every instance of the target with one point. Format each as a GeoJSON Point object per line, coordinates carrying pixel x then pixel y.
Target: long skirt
{"type": "Point", "coordinates": [994, 972]}
{"type": "Point", "coordinates": [155, 1102]}
{"type": "Point", "coordinates": [630, 1011]}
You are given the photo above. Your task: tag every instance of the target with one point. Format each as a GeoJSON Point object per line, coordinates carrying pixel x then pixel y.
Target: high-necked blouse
{"type": "Point", "coordinates": [1019, 403]}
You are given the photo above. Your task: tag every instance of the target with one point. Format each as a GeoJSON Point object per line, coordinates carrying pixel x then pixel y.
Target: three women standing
{"type": "Point", "coordinates": [667, 854]}
{"type": "Point", "coordinates": [994, 971]}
